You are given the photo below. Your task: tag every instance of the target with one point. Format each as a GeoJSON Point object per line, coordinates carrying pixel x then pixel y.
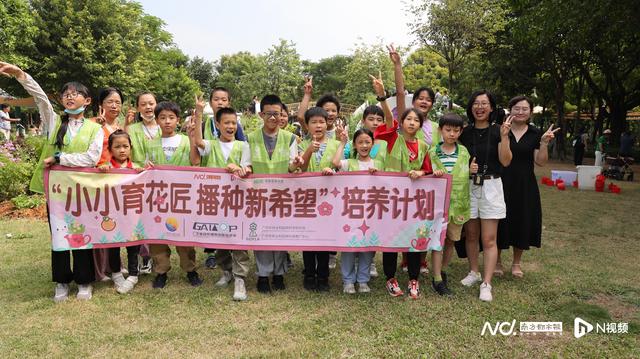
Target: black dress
{"type": "Point", "coordinates": [522, 227]}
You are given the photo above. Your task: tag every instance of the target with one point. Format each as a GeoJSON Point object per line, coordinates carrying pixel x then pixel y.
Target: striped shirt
{"type": "Point", "coordinates": [448, 159]}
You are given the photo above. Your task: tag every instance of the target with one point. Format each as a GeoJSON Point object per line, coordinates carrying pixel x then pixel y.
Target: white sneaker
{"type": "Point", "coordinates": [373, 272]}
{"type": "Point", "coordinates": [349, 288]}
{"type": "Point", "coordinates": [363, 288]}
{"type": "Point", "coordinates": [485, 292]}
{"type": "Point", "coordinates": [84, 291]}
{"type": "Point", "coordinates": [471, 279]}
{"type": "Point", "coordinates": [145, 269]}
{"type": "Point", "coordinates": [128, 284]}
{"type": "Point", "coordinates": [118, 279]}
{"type": "Point", "coordinates": [62, 292]}
{"type": "Point", "coordinates": [225, 279]}
{"type": "Point", "coordinates": [332, 261]}
{"type": "Point", "coordinates": [124, 271]}
{"type": "Point", "coordinates": [239, 290]}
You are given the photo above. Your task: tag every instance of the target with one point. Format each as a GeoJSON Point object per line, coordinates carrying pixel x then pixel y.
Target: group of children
{"type": "Point", "coordinates": [149, 136]}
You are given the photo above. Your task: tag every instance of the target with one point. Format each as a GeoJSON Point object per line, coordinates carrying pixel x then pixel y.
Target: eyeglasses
{"type": "Point", "coordinates": [481, 104]}
{"type": "Point", "coordinates": [70, 95]}
{"type": "Point", "coordinates": [268, 115]}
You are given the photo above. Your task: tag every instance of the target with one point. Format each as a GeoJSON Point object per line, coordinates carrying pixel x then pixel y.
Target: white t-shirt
{"type": "Point", "coordinates": [5, 125]}
{"type": "Point", "coordinates": [170, 145]}
{"type": "Point", "coordinates": [226, 147]}
{"type": "Point", "coordinates": [362, 165]}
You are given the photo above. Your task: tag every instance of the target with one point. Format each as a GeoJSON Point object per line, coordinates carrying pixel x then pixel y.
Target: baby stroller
{"type": "Point", "coordinates": [619, 168]}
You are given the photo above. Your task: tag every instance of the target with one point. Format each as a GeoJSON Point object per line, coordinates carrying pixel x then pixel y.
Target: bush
{"type": "Point", "coordinates": [17, 162]}
{"type": "Point", "coordinates": [23, 201]}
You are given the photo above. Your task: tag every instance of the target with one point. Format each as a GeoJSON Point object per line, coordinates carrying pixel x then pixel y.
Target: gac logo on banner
{"type": "Point", "coordinates": [193, 206]}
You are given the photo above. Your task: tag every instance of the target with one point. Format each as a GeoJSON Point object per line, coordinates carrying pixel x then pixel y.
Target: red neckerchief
{"type": "Point", "coordinates": [115, 164]}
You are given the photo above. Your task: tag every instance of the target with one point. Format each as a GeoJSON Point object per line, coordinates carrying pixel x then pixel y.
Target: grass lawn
{"type": "Point", "coordinates": [588, 267]}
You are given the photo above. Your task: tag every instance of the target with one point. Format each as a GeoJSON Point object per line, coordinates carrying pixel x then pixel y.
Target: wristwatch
{"type": "Point", "coordinates": [56, 157]}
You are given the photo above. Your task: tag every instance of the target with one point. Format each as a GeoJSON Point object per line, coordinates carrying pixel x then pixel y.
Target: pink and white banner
{"type": "Point", "coordinates": [204, 207]}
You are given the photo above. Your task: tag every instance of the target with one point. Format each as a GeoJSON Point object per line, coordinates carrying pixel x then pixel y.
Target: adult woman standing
{"type": "Point", "coordinates": [488, 145]}
{"type": "Point", "coordinates": [523, 226]}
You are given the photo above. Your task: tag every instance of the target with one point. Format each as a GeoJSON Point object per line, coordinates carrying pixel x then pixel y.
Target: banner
{"type": "Point", "coordinates": [205, 207]}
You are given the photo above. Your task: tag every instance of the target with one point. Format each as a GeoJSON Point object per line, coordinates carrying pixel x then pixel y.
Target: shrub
{"type": "Point", "coordinates": [24, 201]}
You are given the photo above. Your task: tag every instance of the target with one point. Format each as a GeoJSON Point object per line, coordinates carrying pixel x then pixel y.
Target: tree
{"type": "Point", "coordinates": [457, 29]}
{"type": "Point", "coordinates": [202, 71]}
{"type": "Point", "coordinates": [284, 70]}
{"type": "Point", "coordinates": [244, 74]}
{"type": "Point", "coordinates": [424, 67]}
{"type": "Point", "coordinates": [328, 74]}
{"type": "Point", "coordinates": [17, 32]}
{"type": "Point", "coordinates": [367, 59]}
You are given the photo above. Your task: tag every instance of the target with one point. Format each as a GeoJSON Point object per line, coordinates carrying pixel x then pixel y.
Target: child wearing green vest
{"type": "Point", "coordinates": [317, 154]}
{"type": "Point", "coordinates": [144, 129]}
{"type": "Point", "coordinates": [363, 142]}
{"type": "Point", "coordinates": [452, 158]}
{"type": "Point", "coordinates": [234, 156]}
{"type": "Point", "coordinates": [406, 153]}
{"type": "Point", "coordinates": [72, 141]}
{"type": "Point", "coordinates": [273, 151]}
{"type": "Point", "coordinates": [171, 149]}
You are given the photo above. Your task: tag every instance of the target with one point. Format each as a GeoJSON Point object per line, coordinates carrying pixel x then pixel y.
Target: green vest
{"type": "Point", "coordinates": [153, 150]}
{"type": "Point", "coordinates": [80, 143]}
{"type": "Point", "coordinates": [215, 159]}
{"type": "Point", "coordinates": [279, 161]}
{"type": "Point", "coordinates": [327, 156]}
{"type": "Point", "coordinates": [138, 139]}
{"type": "Point", "coordinates": [381, 155]}
{"type": "Point", "coordinates": [398, 159]}
{"type": "Point", "coordinates": [435, 134]}
{"type": "Point", "coordinates": [459, 201]}
{"type": "Point", "coordinates": [208, 134]}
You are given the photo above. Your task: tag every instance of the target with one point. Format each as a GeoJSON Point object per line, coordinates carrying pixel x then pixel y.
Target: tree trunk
{"type": "Point", "coordinates": [578, 121]}
{"type": "Point", "coordinates": [560, 137]}
{"type": "Point", "coordinates": [618, 119]}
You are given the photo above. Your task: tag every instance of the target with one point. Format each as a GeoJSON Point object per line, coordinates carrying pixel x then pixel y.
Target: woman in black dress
{"type": "Point", "coordinates": [523, 224]}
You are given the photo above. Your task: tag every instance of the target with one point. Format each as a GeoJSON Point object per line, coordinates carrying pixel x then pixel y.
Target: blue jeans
{"type": "Point", "coordinates": [351, 274]}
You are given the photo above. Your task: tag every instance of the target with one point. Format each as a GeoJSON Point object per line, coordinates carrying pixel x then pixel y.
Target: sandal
{"type": "Point", "coordinates": [516, 272]}
{"type": "Point", "coordinates": [498, 271]}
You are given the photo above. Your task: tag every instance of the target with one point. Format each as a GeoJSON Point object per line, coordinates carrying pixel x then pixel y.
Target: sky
{"type": "Point", "coordinates": [319, 29]}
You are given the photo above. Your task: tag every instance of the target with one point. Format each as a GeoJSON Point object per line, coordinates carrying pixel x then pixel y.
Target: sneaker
{"type": "Point", "coordinates": [349, 288]}
{"type": "Point", "coordinates": [414, 289]}
{"type": "Point", "coordinates": [263, 285]}
{"type": "Point", "coordinates": [332, 261]}
{"type": "Point", "coordinates": [323, 285]}
{"type": "Point", "coordinates": [145, 266]}
{"type": "Point", "coordinates": [160, 281]}
{"type": "Point", "coordinates": [424, 268]}
{"type": "Point", "coordinates": [471, 279]}
{"type": "Point", "coordinates": [84, 291]}
{"type": "Point", "coordinates": [106, 278]}
{"type": "Point", "coordinates": [128, 284]}
{"type": "Point", "coordinates": [404, 265]}
{"type": "Point", "coordinates": [373, 272]}
{"type": "Point", "coordinates": [239, 290]}
{"type": "Point", "coordinates": [485, 292]}
{"type": "Point", "coordinates": [441, 287]}
{"type": "Point", "coordinates": [444, 278]}
{"type": "Point", "coordinates": [278, 282]}
{"type": "Point", "coordinates": [393, 288]}
{"type": "Point", "coordinates": [124, 271]}
{"type": "Point", "coordinates": [62, 292]}
{"type": "Point", "coordinates": [363, 288]}
{"type": "Point", "coordinates": [210, 262]}
{"type": "Point", "coordinates": [309, 283]}
{"type": "Point", "coordinates": [118, 279]}
{"type": "Point", "coordinates": [194, 279]}
{"type": "Point", "coordinates": [225, 279]}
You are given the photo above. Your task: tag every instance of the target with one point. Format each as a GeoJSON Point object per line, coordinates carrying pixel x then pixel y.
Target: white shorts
{"type": "Point", "coordinates": [487, 201]}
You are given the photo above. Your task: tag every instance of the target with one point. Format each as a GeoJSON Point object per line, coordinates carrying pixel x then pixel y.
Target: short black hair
{"type": "Point", "coordinates": [270, 100]}
{"type": "Point", "coordinates": [225, 111]}
{"type": "Point", "coordinates": [167, 106]}
{"type": "Point", "coordinates": [106, 92]}
{"type": "Point", "coordinates": [315, 112]}
{"type": "Point", "coordinates": [408, 111]}
{"type": "Point", "coordinates": [3, 106]}
{"type": "Point", "coordinates": [517, 99]}
{"type": "Point", "coordinates": [284, 108]}
{"type": "Point", "coordinates": [417, 93]}
{"type": "Point", "coordinates": [451, 119]}
{"type": "Point", "coordinates": [361, 131]}
{"type": "Point", "coordinates": [142, 94]}
{"type": "Point", "coordinates": [219, 88]}
{"type": "Point", "coordinates": [115, 134]}
{"type": "Point", "coordinates": [328, 98]}
{"type": "Point", "coordinates": [372, 110]}
{"type": "Point", "coordinates": [472, 99]}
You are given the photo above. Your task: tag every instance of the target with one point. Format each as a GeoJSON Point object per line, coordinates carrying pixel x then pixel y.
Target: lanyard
{"type": "Point", "coordinates": [475, 147]}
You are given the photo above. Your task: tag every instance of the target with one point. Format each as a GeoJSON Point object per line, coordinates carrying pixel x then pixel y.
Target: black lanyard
{"type": "Point", "coordinates": [475, 149]}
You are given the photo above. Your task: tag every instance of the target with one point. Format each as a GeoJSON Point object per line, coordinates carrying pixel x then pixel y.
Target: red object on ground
{"type": "Point", "coordinates": [559, 180]}
{"type": "Point", "coordinates": [575, 184]}
{"type": "Point", "coordinates": [545, 180]}
{"type": "Point", "coordinates": [599, 183]}
{"type": "Point", "coordinates": [560, 185]}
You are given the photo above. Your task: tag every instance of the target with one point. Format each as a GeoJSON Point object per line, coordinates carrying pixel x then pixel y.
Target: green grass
{"type": "Point", "coordinates": [588, 266]}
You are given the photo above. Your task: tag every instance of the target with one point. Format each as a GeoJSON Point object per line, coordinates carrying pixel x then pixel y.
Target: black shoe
{"type": "Point", "coordinates": [441, 287]}
{"type": "Point", "coordinates": [194, 279]}
{"type": "Point", "coordinates": [263, 285]}
{"type": "Point", "coordinates": [210, 262]}
{"type": "Point", "coordinates": [160, 281]}
{"type": "Point", "coordinates": [444, 278]}
{"type": "Point", "coordinates": [323, 285]}
{"type": "Point", "coordinates": [309, 283]}
{"type": "Point", "coordinates": [278, 282]}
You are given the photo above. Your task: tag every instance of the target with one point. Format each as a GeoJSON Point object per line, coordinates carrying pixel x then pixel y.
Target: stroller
{"type": "Point", "coordinates": [619, 168]}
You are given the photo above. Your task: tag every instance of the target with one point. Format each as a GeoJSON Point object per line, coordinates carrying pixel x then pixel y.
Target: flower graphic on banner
{"type": "Point", "coordinates": [346, 228]}
{"type": "Point", "coordinates": [325, 209]}
{"type": "Point", "coordinates": [157, 219]}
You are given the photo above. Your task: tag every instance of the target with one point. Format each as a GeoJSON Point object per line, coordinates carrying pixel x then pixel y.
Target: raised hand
{"type": "Point", "coordinates": [11, 70]}
{"type": "Point", "coordinates": [393, 54]}
{"type": "Point", "coordinates": [308, 85]}
{"type": "Point", "coordinates": [473, 167]}
{"type": "Point", "coordinates": [315, 145]}
{"type": "Point", "coordinates": [378, 85]}
{"type": "Point", "coordinates": [506, 127]}
{"type": "Point", "coordinates": [549, 135]}
{"type": "Point", "coordinates": [200, 104]}
{"type": "Point", "coordinates": [101, 112]}
{"type": "Point", "coordinates": [342, 133]}
{"type": "Point", "coordinates": [131, 116]}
